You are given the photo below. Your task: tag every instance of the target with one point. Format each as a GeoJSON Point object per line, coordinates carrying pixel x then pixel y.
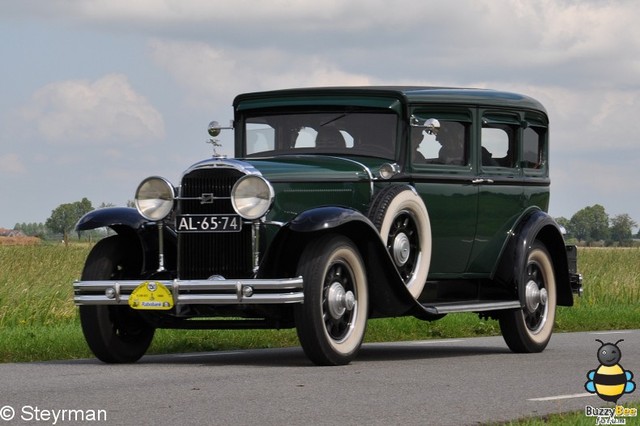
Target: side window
{"type": "Point", "coordinates": [498, 145]}
{"type": "Point", "coordinates": [260, 137]}
{"type": "Point", "coordinates": [533, 147]}
{"type": "Point", "coordinates": [448, 146]}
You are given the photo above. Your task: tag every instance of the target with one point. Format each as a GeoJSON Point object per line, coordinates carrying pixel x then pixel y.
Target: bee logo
{"type": "Point", "coordinates": [610, 381]}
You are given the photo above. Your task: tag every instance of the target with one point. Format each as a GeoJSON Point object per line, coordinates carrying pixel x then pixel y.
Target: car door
{"type": "Point", "coordinates": [499, 183]}
{"type": "Point", "coordinates": [442, 173]}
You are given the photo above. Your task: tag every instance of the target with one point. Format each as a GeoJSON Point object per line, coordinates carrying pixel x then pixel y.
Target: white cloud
{"type": "Point", "coordinates": [194, 11]}
{"type": "Point", "coordinates": [77, 112]}
{"type": "Point", "coordinates": [575, 24]}
{"type": "Point", "coordinates": [11, 164]}
{"type": "Point", "coordinates": [209, 72]}
{"type": "Point", "coordinates": [577, 43]}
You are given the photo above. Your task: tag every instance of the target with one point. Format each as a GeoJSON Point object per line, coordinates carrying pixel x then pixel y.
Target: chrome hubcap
{"type": "Point", "coordinates": [401, 249]}
{"type": "Point", "coordinates": [339, 301]}
{"type": "Point", "coordinates": [403, 245]}
{"type": "Point", "coordinates": [535, 296]}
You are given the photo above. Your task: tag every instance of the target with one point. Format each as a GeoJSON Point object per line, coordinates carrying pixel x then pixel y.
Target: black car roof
{"type": "Point", "coordinates": [407, 94]}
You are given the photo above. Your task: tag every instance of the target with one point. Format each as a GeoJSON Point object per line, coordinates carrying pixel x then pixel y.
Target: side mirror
{"type": "Point", "coordinates": [215, 128]}
{"type": "Point", "coordinates": [432, 125]}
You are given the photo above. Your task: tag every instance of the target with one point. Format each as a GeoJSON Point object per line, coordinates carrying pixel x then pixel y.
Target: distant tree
{"type": "Point", "coordinates": [103, 205]}
{"type": "Point", "coordinates": [131, 203]}
{"type": "Point", "coordinates": [590, 224]}
{"type": "Point", "coordinates": [32, 229]}
{"type": "Point", "coordinates": [65, 216]}
{"type": "Point", "coordinates": [621, 230]}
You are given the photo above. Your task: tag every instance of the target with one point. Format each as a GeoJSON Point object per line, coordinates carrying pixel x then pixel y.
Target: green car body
{"type": "Point", "coordinates": [343, 204]}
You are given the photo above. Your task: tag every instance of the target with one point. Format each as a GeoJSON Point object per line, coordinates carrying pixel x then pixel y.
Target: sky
{"type": "Point", "coordinates": [97, 95]}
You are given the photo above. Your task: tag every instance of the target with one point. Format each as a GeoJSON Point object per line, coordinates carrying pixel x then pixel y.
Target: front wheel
{"type": "Point", "coordinates": [115, 334]}
{"type": "Point", "coordinates": [332, 320]}
{"type": "Point", "coordinates": [529, 329]}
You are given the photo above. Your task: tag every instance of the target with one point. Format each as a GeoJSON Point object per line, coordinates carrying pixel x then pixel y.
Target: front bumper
{"type": "Point", "coordinates": [195, 292]}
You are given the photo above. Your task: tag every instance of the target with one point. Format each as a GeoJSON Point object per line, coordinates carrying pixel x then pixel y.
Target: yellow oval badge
{"type": "Point", "coordinates": [151, 295]}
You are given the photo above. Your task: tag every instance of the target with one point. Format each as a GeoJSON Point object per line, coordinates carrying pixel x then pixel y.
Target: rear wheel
{"type": "Point", "coordinates": [115, 334]}
{"type": "Point", "coordinates": [332, 320]}
{"type": "Point", "coordinates": [529, 329]}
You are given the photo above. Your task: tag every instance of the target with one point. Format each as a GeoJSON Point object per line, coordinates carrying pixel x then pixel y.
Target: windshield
{"type": "Point", "coordinates": [338, 133]}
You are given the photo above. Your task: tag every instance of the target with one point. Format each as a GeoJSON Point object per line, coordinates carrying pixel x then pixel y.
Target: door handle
{"type": "Point", "coordinates": [479, 181]}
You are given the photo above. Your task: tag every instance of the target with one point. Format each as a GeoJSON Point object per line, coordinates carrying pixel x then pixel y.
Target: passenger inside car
{"type": "Point", "coordinates": [452, 141]}
{"type": "Point", "coordinates": [329, 137]}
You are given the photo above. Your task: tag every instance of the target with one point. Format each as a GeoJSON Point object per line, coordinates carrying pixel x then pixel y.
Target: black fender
{"type": "Point", "coordinates": [535, 225]}
{"type": "Point", "coordinates": [388, 296]}
{"type": "Point", "coordinates": [130, 224]}
{"type": "Point", "coordinates": [112, 217]}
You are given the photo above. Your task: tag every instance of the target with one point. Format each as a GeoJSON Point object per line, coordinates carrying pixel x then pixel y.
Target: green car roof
{"type": "Point", "coordinates": [381, 96]}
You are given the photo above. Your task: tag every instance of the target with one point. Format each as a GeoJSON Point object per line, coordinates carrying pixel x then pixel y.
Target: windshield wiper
{"type": "Point", "coordinates": [332, 120]}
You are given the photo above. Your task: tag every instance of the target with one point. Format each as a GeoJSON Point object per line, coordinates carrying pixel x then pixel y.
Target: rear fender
{"type": "Point", "coordinates": [536, 225]}
{"type": "Point", "coordinates": [387, 292]}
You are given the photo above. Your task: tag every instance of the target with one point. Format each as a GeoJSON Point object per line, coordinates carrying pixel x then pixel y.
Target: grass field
{"type": "Point", "coordinates": [38, 320]}
{"type": "Point", "coordinates": [575, 419]}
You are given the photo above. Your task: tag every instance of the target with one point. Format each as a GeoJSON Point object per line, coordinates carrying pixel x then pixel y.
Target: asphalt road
{"type": "Point", "coordinates": [461, 381]}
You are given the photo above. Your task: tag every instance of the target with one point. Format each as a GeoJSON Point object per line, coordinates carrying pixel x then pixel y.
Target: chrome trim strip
{"type": "Point", "coordinates": [201, 198]}
{"type": "Point", "coordinates": [211, 163]}
{"type": "Point", "coordinates": [446, 308]}
{"type": "Point", "coordinates": [207, 292]}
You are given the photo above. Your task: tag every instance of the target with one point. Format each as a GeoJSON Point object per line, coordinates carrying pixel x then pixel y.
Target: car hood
{"type": "Point", "coordinates": [325, 168]}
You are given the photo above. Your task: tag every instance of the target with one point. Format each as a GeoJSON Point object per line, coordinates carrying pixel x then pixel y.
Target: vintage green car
{"type": "Point", "coordinates": [342, 204]}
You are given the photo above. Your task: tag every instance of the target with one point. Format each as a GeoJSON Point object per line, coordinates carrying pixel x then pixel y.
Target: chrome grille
{"type": "Point", "coordinates": [202, 255]}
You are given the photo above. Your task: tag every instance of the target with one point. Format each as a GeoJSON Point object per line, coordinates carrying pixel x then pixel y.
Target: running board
{"type": "Point", "coordinates": [450, 307]}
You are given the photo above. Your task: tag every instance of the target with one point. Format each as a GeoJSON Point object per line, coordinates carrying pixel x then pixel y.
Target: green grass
{"type": "Point", "coordinates": [38, 320]}
{"type": "Point", "coordinates": [35, 284]}
{"type": "Point", "coordinates": [611, 292]}
{"type": "Point", "coordinates": [577, 418]}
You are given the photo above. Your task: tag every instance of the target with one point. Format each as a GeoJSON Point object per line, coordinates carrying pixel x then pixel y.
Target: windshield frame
{"type": "Point", "coordinates": [368, 132]}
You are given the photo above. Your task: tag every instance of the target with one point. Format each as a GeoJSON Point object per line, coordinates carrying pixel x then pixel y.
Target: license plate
{"type": "Point", "coordinates": [208, 223]}
{"type": "Point", "coordinates": [151, 295]}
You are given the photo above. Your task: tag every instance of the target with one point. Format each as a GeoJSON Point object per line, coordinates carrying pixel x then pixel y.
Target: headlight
{"type": "Point", "coordinates": [154, 198]}
{"type": "Point", "coordinates": [251, 197]}
{"type": "Point", "coordinates": [387, 171]}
